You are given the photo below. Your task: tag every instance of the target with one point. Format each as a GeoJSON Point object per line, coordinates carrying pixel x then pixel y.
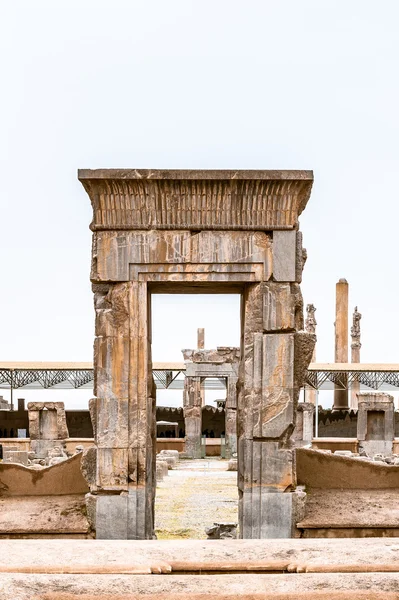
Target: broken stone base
{"type": "Point", "coordinates": [41, 447]}
{"type": "Point", "coordinates": [16, 456]}
{"type": "Point", "coordinates": [222, 531]}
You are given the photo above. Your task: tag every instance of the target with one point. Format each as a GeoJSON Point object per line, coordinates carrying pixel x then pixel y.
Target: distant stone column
{"type": "Point", "coordinates": [201, 346]}
{"type": "Point", "coordinates": [341, 340]}
{"type": "Point", "coordinates": [355, 354]}
{"type": "Point", "coordinates": [310, 327]}
{"type": "Point", "coordinates": [231, 417]}
{"type": "Point", "coordinates": [200, 338]}
{"type": "Point", "coordinates": [192, 408]}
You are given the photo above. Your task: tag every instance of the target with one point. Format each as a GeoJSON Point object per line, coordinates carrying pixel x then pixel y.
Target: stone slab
{"type": "Point", "coordinates": [112, 517]}
{"type": "Point", "coordinates": [284, 255]}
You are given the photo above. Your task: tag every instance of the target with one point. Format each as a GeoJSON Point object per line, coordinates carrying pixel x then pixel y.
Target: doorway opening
{"type": "Point", "coordinates": [200, 491]}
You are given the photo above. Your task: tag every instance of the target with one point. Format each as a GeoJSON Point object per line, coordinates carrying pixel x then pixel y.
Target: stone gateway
{"type": "Point", "coordinates": [197, 232]}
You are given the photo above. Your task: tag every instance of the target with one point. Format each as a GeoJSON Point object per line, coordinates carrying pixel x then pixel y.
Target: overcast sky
{"type": "Point", "coordinates": [222, 84]}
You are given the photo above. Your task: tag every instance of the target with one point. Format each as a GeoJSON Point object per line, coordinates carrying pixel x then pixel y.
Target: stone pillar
{"type": "Point", "coordinates": [303, 433]}
{"type": "Point", "coordinates": [355, 354]}
{"type": "Point", "coordinates": [47, 426]}
{"type": "Point", "coordinates": [273, 368]}
{"type": "Point", "coordinates": [376, 423]}
{"type": "Point", "coordinates": [310, 327]}
{"type": "Point", "coordinates": [192, 408]}
{"type": "Point", "coordinates": [201, 346]}
{"type": "Point", "coordinates": [200, 338]}
{"type": "Point", "coordinates": [341, 339]}
{"type": "Point", "coordinates": [123, 414]}
{"type": "Point", "coordinates": [231, 417]}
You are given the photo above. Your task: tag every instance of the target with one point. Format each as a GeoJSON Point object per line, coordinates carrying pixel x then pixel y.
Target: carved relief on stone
{"type": "Point", "coordinates": [355, 329]}
{"type": "Point", "coordinates": [310, 323]}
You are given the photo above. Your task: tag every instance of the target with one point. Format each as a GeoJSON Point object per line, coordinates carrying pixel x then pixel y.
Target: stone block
{"type": "Point", "coordinates": [174, 453]}
{"type": "Point", "coordinates": [116, 251]}
{"type": "Point", "coordinates": [88, 465]}
{"type": "Point", "coordinates": [112, 517]}
{"type": "Point", "coordinates": [163, 465]}
{"type": "Point", "coordinates": [222, 531]}
{"type": "Point", "coordinates": [41, 447]}
{"type": "Point", "coordinates": [278, 307]}
{"type": "Point", "coordinates": [270, 518]}
{"type": "Point", "coordinates": [111, 363]}
{"type": "Point", "coordinates": [232, 464]}
{"type": "Point", "coordinates": [159, 472]}
{"type": "Point", "coordinates": [112, 429]}
{"type": "Point", "coordinates": [112, 468]}
{"type": "Point", "coordinates": [284, 255]}
{"type": "Point", "coordinates": [140, 525]}
{"type": "Point", "coordinates": [112, 311]}
{"type": "Point", "coordinates": [301, 256]}
{"type": "Point", "coordinates": [273, 405]}
{"type": "Point", "coordinates": [16, 456]}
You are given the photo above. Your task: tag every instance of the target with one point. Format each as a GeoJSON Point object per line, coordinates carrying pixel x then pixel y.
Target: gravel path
{"type": "Point", "coordinates": [195, 494]}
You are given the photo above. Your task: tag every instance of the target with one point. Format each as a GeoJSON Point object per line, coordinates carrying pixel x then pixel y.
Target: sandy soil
{"type": "Point", "coordinates": [194, 496]}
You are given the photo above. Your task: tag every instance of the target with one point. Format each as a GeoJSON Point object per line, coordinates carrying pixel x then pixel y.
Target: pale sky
{"type": "Point", "coordinates": [222, 84]}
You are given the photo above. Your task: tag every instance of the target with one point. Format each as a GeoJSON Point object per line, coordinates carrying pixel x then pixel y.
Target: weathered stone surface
{"type": "Point", "coordinates": [278, 307]}
{"type": "Point", "coordinates": [222, 531]}
{"type": "Point", "coordinates": [273, 407]}
{"type": "Point", "coordinates": [376, 423]}
{"type": "Point", "coordinates": [232, 465]}
{"type": "Point", "coordinates": [125, 255]}
{"type": "Point", "coordinates": [303, 432]}
{"type": "Point", "coordinates": [169, 229]}
{"type": "Point", "coordinates": [16, 456]}
{"type": "Point", "coordinates": [140, 199]}
{"type": "Point", "coordinates": [112, 429]}
{"type": "Point", "coordinates": [264, 469]}
{"type": "Point", "coordinates": [47, 421]}
{"type": "Point", "coordinates": [112, 468]}
{"type": "Point", "coordinates": [221, 355]}
{"type": "Point", "coordinates": [304, 344]}
{"type": "Point", "coordinates": [88, 465]}
{"type": "Point", "coordinates": [284, 255]}
{"type": "Point", "coordinates": [163, 467]}
{"type": "Point", "coordinates": [111, 517]}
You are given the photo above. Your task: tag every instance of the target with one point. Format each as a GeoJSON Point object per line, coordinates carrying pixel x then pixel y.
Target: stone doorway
{"type": "Point", "coordinates": [235, 231]}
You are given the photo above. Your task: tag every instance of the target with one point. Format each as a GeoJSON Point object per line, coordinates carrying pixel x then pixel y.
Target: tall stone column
{"type": "Point", "coordinates": [123, 414]}
{"type": "Point", "coordinates": [200, 338]}
{"type": "Point", "coordinates": [192, 409]}
{"type": "Point", "coordinates": [341, 340]}
{"type": "Point", "coordinates": [201, 346]}
{"type": "Point", "coordinates": [272, 370]}
{"type": "Point", "coordinates": [355, 355]}
{"type": "Point", "coordinates": [231, 417]}
{"type": "Point", "coordinates": [310, 327]}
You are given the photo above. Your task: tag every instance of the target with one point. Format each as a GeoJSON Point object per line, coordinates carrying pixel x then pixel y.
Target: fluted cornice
{"type": "Point", "coordinates": [188, 199]}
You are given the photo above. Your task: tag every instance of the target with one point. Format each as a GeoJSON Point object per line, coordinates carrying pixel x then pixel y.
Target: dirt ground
{"type": "Point", "coordinates": [196, 494]}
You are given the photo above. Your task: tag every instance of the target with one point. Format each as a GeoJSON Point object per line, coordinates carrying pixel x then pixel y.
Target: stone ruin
{"type": "Point", "coordinates": [184, 232]}
{"type": "Point", "coordinates": [221, 363]}
{"type": "Point", "coordinates": [48, 432]}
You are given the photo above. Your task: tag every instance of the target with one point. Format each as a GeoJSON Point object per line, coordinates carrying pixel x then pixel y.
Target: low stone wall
{"type": "Point", "coordinates": [170, 444]}
{"type": "Point", "coordinates": [62, 479]}
{"type": "Point", "coordinates": [317, 469]}
{"type": "Point", "coordinates": [334, 444]}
